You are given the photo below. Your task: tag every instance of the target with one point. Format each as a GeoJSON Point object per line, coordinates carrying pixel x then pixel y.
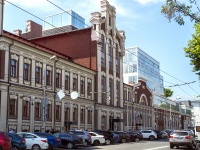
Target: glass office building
{"type": "Point", "coordinates": [64, 18]}
{"type": "Point", "coordinates": [139, 65]}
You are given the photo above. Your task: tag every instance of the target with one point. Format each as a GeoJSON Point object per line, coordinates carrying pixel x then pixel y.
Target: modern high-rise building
{"type": "Point", "coordinates": [139, 65]}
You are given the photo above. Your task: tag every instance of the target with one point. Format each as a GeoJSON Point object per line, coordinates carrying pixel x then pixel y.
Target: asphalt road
{"type": "Point", "coordinates": [142, 145]}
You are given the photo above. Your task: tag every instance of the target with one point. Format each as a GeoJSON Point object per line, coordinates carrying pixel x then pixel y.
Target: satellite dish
{"type": "Point", "coordinates": [74, 95]}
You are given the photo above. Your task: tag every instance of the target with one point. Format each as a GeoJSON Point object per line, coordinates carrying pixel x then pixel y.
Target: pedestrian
{"type": "Point", "coordinates": [11, 130]}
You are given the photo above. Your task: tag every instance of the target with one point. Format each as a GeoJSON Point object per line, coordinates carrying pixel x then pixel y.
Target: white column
{"type": "Point", "coordinates": [79, 84]}
{"type": "Point", "coordinates": [3, 110]}
{"type": "Point", "coordinates": [21, 69]}
{"type": "Point", "coordinates": [107, 120]}
{"type": "Point", "coordinates": [32, 113]}
{"type": "Point", "coordinates": [122, 123]}
{"type": "Point", "coordinates": [63, 80]}
{"type": "Point", "coordinates": [93, 119]}
{"type": "Point", "coordinates": [79, 116]}
{"type": "Point", "coordinates": [6, 65]}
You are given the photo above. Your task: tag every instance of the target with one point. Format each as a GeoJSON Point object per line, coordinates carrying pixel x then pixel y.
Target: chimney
{"type": "Point", "coordinates": [1, 17]}
{"type": "Point", "coordinates": [17, 32]}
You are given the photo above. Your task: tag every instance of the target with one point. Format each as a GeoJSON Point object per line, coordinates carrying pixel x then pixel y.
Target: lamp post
{"type": "Point", "coordinates": [44, 100]}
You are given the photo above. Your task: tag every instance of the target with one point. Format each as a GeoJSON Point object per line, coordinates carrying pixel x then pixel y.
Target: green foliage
{"type": "Point", "coordinates": [168, 92]}
{"type": "Point", "coordinates": [193, 49]}
{"type": "Point", "coordinates": [177, 11]}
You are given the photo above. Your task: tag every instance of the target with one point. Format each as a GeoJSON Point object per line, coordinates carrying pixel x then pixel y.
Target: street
{"type": "Point", "coordinates": [142, 145]}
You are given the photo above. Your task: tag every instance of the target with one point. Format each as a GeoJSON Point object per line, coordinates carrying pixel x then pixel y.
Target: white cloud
{"type": "Point", "coordinates": [144, 2]}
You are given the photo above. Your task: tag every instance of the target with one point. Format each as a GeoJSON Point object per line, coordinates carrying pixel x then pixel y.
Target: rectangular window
{"type": "Point", "coordinates": [48, 77]}
{"type": "Point", "coordinates": [75, 114]}
{"type": "Point", "coordinates": [118, 93]}
{"type": "Point", "coordinates": [57, 112]}
{"type": "Point", "coordinates": [67, 82]}
{"type": "Point", "coordinates": [103, 89]}
{"type": "Point", "coordinates": [82, 85]}
{"type": "Point", "coordinates": [26, 72]}
{"type": "Point", "coordinates": [75, 84]}
{"type": "Point", "coordinates": [89, 87]}
{"type": "Point", "coordinates": [58, 79]}
{"type": "Point", "coordinates": [37, 109]}
{"type": "Point", "coordinates": [12, 108]}
{"type": "Point", "coordinates": [110, 53]}
{"type": "Point", "coordinates": [117, 59]}
{"type": "Point", "coordinates": [38, 75]}
{"type": "Point", "coordinates": [102, 51]}
{"type": "Point", "coordinates": [89, 116]}
{"type": "Point", "coordinates": [13, 68]}
{"type": "Point", "coordinates": [49, 111]}
{"type": "Point", "coordinates": [25, 108]}
{"type": "Point", "coordinates": [82, 115]}
{"type": "Point", "coordinates": [110, 91]}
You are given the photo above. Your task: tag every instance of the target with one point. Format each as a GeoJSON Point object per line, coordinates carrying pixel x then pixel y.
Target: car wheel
{"type": "Point", "coordinates": [35, 147]}
{"type": "Point", "coordinates": [151, 138]}
{"type": "Point", "coordinates": [15, 148]}
{"type": "Point", "coordinates": [70, 145]}
{"type": "Point", "coordinates": [171, 146]}
{"type": "Point", "coordinates": [137, 139]}
{"type": "Point", "coordinates": [96, 143]}
{"type": "Point", "coordinates": [123, 140]}
{"type": "Point", "coordinates": [85, 143]}
{"type": "Point", "coordinates": [107, 141]}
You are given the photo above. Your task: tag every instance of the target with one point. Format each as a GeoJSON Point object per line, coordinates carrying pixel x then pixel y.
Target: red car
{"type": "Point", "coordinates": [5, 142]}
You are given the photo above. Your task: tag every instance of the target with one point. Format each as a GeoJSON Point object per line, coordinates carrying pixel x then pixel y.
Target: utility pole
{"type": "Point", "coordinates": [1, 16]}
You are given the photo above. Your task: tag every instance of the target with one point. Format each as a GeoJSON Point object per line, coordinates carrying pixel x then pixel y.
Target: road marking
{"type": "Point", "coordinates": [157, 148]}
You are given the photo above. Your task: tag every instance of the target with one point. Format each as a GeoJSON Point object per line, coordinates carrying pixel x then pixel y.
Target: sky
{"type": "Point", "coordinates": [144, 26]}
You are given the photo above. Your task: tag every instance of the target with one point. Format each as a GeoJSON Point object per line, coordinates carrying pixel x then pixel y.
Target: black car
{"type": "Point", "coordinates": [109, 136]}
{"type": "Point", "coordinates": [159, 134]}
{"type": "Point", "coordinates": [69, 141]}
{"type": "Point", "coordinates": [123, 136]}
{"type": "Point", "coordinates": [17, 142]}
{"type": "Point", "coordinates": [135, 136]}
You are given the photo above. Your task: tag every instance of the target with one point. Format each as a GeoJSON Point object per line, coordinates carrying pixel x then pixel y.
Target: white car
{"type": "Point", "coordinates": [149, 134]}
{"type": "Point", "coordinates": [97, 139]}
{"type": "Point", "coordinates": [34, 141]}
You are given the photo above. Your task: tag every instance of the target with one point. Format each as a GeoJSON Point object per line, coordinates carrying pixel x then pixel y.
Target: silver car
{"type": "Point", "coordinates": [182, 138]}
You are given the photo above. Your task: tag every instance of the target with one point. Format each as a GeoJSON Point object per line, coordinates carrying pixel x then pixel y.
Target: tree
{"type": "Point", "coordinates": [177, 11]}
{"type": "Point", "coordinates": [168, 92]}
{"type": "Point", "coordinates": [193, 48]}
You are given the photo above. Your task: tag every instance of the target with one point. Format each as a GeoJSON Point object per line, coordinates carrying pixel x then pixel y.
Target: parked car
{"type": "Point", "coordinates": [34, 141]}
{"type": "Point", "coordinates": [159, 134]}
{"type": "Point", "coordinates": [5, 141]}
{"type": "Point", "coordinates": [109, 137]}
{"type": "Point", "coordinates": [135, 136]}
{"type": "Point", "coordinates": [17, 142]}
{"type": "Point", "coordinates": [164, 135]}
{"type": "Point", "coordinates": [52, 140]}
{"type": "Point", "coordinates": [182, 138]}
{"type": "Point", "coordinates": [123, 136]}
{"type": "Point", "coordinates": [97, 139]}
{"type": "Point", "coordinates": [168, 132]}
{"type": "Point", "coordinates": [149, 134]}
{"type": "Point", "coordinates": [69, 141]}
{"type": "Point", "coordinates": [83, 134]}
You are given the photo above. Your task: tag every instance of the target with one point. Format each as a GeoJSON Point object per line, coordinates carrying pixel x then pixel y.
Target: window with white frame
{"type": "Point", "coordinates": [49, 75]}
{"type": "Point", "coordinates": [110, 91]}
{"type": "Point", "coordinates": [118, 92]}
{"type": "Point", "coordinates": [110, 53]}
{"type": "Point", "coordinates": [58, 78]}
{"type": "Point", "coordinates": [37, 109]}
{"type": "Point", "coordinates": [25, 109]}
{"type": "Point", "coordinates": [58, 111]}
{"type": "Point", "coordinates": [89, 87]}
{"type": "Point", "coordinates": [38, 73]}
{"type": "Point", "coordinates": [75, 82]}
{"type": "Point", "coordinates": [103, 89]}
{"type": "Point", "coordinates": [27, 70]}
{"type": "Point", "coordinates": [14, 65]}
{"type": "Point", "coordinates": [117, 59]}
{"type": "Point", "coordinates": [13, 108]}
{"type": "Point", "coordinates": [67, 81]}
{"type": "Point", "coordinates": [102, 51]}
{"type": "Point", "coordinates": [82, 86]}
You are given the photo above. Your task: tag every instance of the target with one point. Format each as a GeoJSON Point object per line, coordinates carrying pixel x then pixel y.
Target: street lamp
{"type": "Point", "coordinates": [44, 100]}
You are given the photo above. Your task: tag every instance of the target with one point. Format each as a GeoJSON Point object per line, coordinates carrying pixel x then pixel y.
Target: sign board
{"type": "Point", "coordinates": [60, 94]}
